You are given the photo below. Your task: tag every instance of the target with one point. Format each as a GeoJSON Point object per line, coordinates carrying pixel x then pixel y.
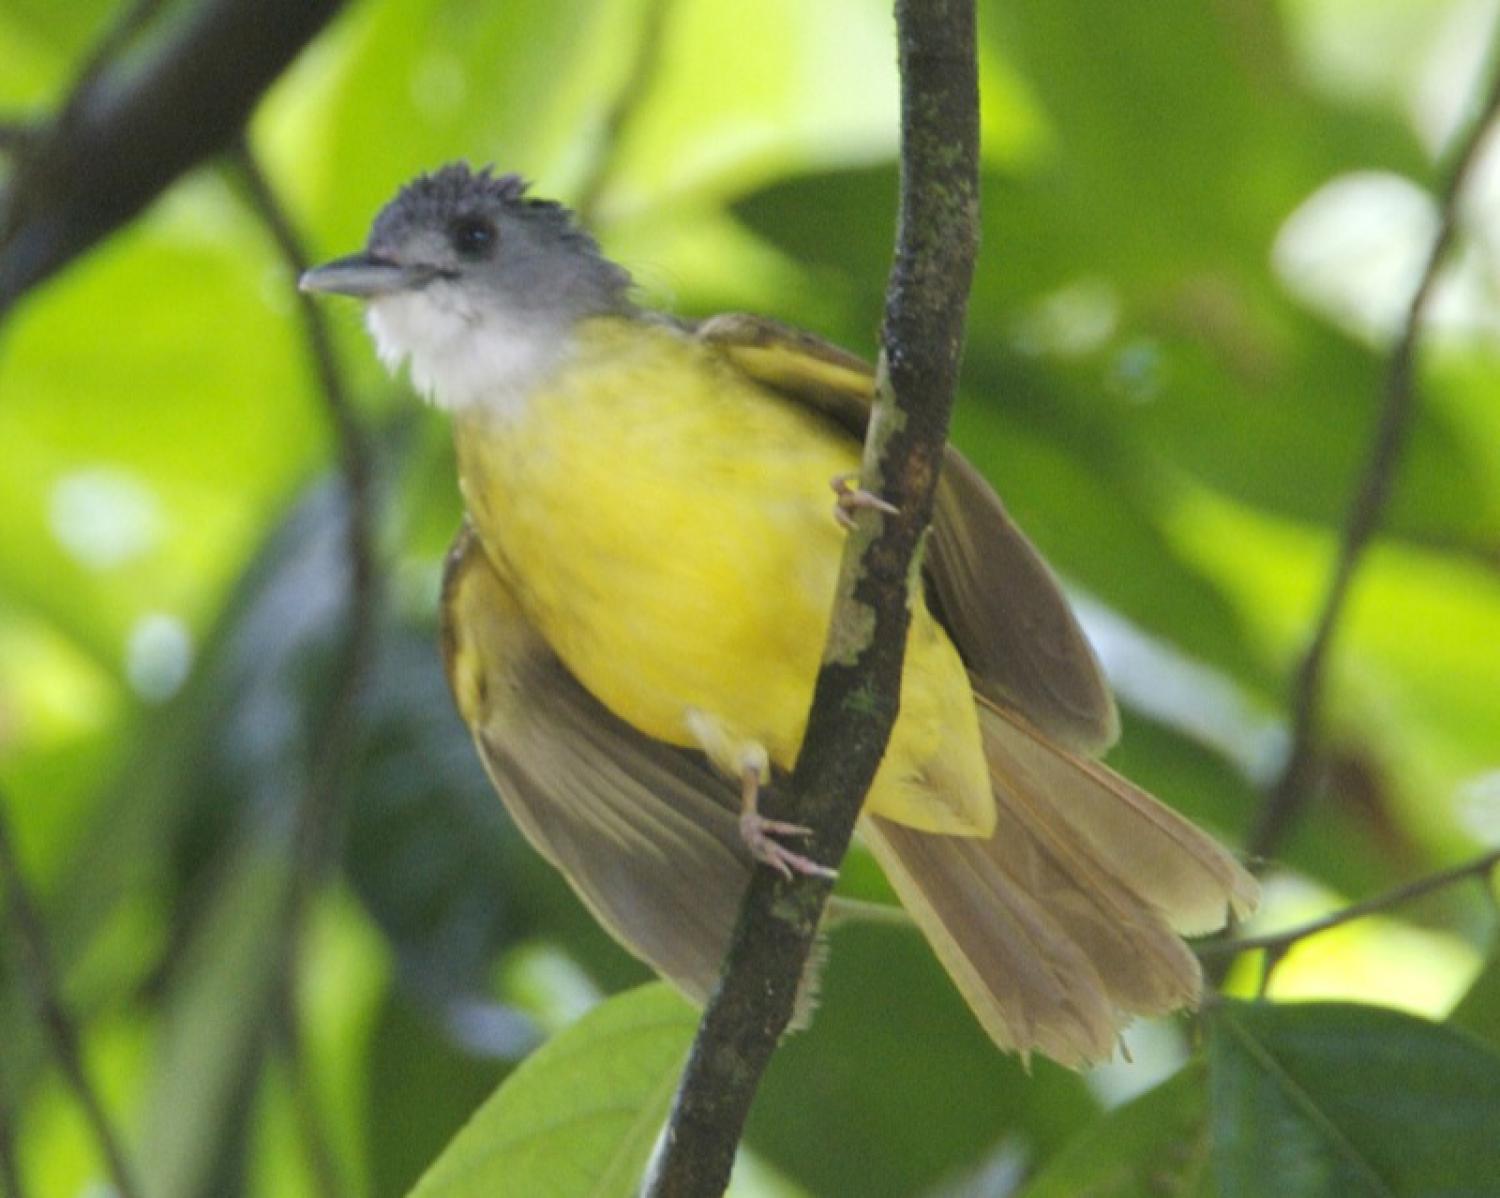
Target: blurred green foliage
{"type": "Point", "coordinates": [1201, 223]}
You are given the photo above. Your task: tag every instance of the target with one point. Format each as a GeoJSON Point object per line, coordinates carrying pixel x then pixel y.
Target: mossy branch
{"type": "Point", "coordinates": [858, 687]}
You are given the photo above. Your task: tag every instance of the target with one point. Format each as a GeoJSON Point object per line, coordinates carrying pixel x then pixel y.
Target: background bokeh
{"type": "Point", "coordinates": [1202, 224]}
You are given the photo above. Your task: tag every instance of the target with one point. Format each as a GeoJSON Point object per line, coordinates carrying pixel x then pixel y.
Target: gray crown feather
{"type": "Point", "coordinates": [456, 188]}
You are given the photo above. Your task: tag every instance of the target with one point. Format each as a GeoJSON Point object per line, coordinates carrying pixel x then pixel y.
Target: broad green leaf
{"type": "Point", "coordinates": [1155, 1146]}
{"type": "Point", "coordinates": [581, 1114]}
{"type": "Point", "coordinates": [1339, 1100]}
{"type": "Point", "coordinates": [1478, 1011]}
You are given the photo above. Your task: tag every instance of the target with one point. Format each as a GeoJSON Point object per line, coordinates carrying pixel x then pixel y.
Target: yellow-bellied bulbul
{"type": "Point", "coordinates": [637, 606]}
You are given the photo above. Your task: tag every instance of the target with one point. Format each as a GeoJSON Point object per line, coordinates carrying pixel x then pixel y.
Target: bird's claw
{"type": "Point", "coordinates": [851, 499]}
{"type": "Point", "coordinates": [757, 833]}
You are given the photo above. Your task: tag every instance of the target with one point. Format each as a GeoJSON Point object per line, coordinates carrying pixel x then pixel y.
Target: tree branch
{"type": "Point", "coordinates": [858, 687]}
{"type": "Point", "coordinates": [131, 131]}
{"type": "Point", "coordinates": [35, 965]}
{"type": "Point", "coordinates": [1291, 791]}
{"type": "Point", "coordinates": [1276, 945]}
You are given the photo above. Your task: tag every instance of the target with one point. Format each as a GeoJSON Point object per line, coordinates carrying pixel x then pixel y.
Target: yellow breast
{"type": "Point", "coordinates": [668, 526]}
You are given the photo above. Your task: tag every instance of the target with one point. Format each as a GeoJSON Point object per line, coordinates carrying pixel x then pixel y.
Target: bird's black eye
{"type": "Point", "coordinates": [472, 236]}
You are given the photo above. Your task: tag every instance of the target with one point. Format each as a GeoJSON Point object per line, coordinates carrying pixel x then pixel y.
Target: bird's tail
{"type": "Point", "coordinates": [1067, 920]}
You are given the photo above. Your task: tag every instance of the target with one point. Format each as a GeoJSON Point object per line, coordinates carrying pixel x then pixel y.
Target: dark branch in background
{"type": "Point", "coordinates": [858, 686]}
{"type": "Point", "coordinates": [1276, 945]}
{"type": "Point", "coordinates": [124, 139]}
{"type": "Point", "coordinates": [1295, 784]}
{"type": "Point", "coordinates": [633, 91]}
{"type": "Point", "coordinates": [321, 804]}
{"type": "Point", "coordinates": [34, 963]}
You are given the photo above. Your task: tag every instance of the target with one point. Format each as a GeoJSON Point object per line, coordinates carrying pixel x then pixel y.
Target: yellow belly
{"type": "Point", "coordinates": [668, 527]}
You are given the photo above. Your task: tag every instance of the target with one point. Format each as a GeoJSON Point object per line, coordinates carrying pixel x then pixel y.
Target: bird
{"type": "Point", "coordinates": [636, 605]}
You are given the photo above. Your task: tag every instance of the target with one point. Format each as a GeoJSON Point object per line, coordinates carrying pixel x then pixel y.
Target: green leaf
{"type": "Point", "coordinates": [580, 1116]}
{"type": "Point", "coordinates": [1478, 1012]}
{"type": "Point", "coordinates": [1155, 1146]}
{"type": "Point", "coordinates": [1344, 1100]}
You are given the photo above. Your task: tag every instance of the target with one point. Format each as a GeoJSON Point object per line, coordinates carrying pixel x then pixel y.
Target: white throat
{"type": "Point", "coordinates": [461, 356]}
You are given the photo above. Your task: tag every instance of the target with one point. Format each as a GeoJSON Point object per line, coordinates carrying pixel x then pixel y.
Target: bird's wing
{"type": "Point", "coordinates": [996, 596]}
{"type": "Point", "coordinates": [646, 834]}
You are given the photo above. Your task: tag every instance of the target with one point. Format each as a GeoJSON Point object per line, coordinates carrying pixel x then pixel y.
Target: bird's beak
{"type": "Point", "coordinates": [365, 275]}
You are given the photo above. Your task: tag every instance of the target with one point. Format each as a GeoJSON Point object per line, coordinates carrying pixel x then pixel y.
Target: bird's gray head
{"type": "Point", "coordinates": [476, 283]}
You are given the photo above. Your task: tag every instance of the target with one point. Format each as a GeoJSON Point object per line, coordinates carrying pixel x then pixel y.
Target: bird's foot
{"type": "Point", "coordinates": [757, 833]}
{"type": "Point", "coordinates": [851, 499]}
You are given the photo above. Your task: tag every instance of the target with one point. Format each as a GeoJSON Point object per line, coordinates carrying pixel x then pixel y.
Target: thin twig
{"type": "Point", "coordinates": [633, 91]}
{"type": "Point", "coordinates": [857, 690]}
{"type": "Point", "coordinates": [1293, 787]}
{"type": "Point", "coordinates": [1276, 945]}
{"type": "Point", "coordinates": [35, 965]}
{"type": "Point", "coordinates": [321, 804]}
